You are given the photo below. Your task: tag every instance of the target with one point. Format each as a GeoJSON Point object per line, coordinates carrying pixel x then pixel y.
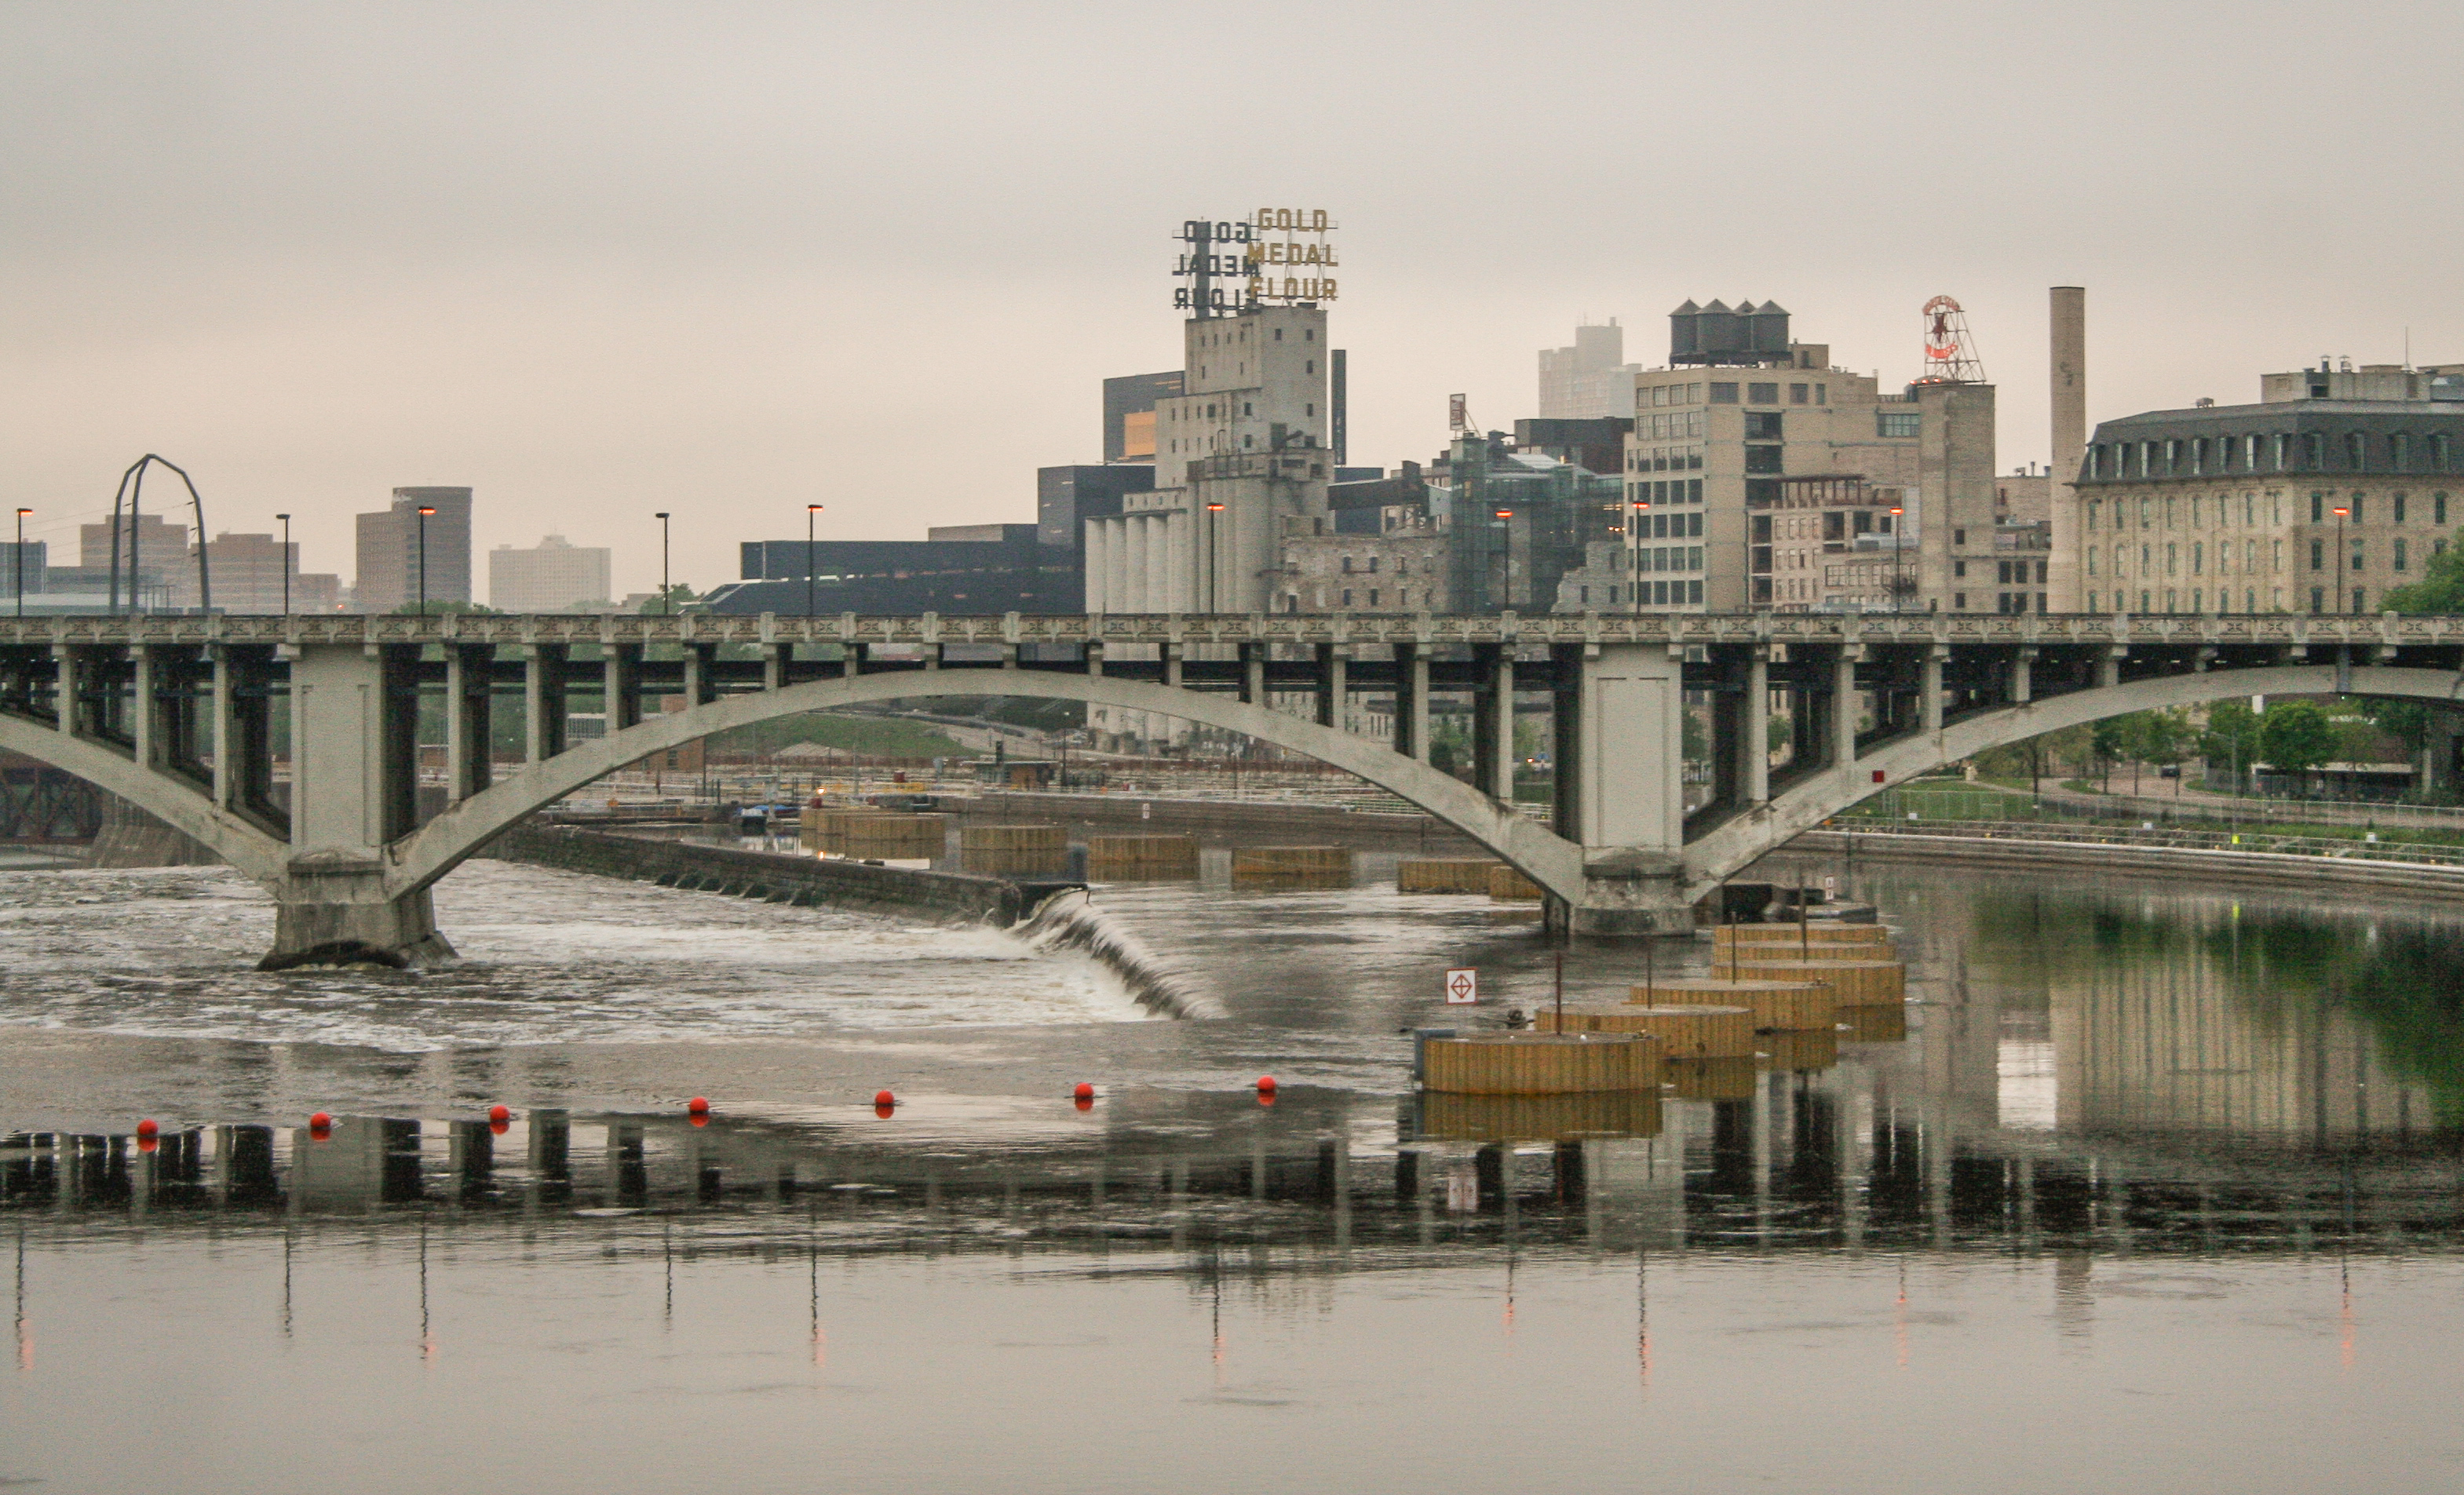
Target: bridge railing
{"type": "Point", "coordinates": [2159, 835]}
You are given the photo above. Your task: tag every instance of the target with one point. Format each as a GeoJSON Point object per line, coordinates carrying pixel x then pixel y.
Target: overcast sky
{"type": "Point", "coordinates": [597, 260]}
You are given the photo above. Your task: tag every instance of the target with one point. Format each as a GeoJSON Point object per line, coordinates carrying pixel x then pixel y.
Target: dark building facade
{"type": "Point", "coordinates": [958, 576]}
{"type": "Point", "coordinates": [1065, 497]}
{"type": "Point", "coordinates": [1130, 414]}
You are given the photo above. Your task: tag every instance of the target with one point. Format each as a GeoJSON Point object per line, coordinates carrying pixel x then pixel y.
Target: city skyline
{"type": "Point", "coordinates": [520, 293]}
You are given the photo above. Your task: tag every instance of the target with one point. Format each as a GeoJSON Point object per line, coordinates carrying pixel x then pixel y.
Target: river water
{"type": "Point", "coordinates": [2159, 1190]}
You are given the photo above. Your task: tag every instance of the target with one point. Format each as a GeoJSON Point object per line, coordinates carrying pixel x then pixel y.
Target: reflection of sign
{"type": "Point", "coordinates": [1458, 412]}
{"type": "Point", "coordinates": [1255, 261]}
{"type": "Point", "coordinates": [1463, 987]}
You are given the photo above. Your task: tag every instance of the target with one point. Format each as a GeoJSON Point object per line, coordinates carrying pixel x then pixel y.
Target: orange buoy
{"type": "Point", "coordinates": [148, 1128]}
{"type": "Point", "coordinates": [1265, 1097]}
{"type": "Point", "coordinates": [1085, 1092]}
{"type": "Point", "coordinates": [885, 1109]}
{"type": "Point", "coordinates": [1266, 1083]}
{"type": "Point", "coordinates": [697, 1106]}
{"type": "Point", "coordinates": [501, 1113]}
{"type": "Point", "coordinates": [500, 1127]}
{"type": "Point", "coordinates": [699, 1118]}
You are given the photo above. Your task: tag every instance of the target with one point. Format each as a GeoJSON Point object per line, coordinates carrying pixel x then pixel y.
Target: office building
{"type": "Point", "coordinates": [30, 561]}
{"type": "Point", "coordinates": [549, 577]}
{"type": "Point", "coordinates": [2338, 486]}
{"type": "Point", "coordinates": [1589, 380]}
{"type": "Point", "coordinates": [249, 574]}
{"type": "Point", "coordinates": [397, 551]}
{"type": "Point", "coordinates": [1130, 414]}
{"type": "Point", "coordinates": [1067, 497]}
{"type": "Point", "coordinates": [968, 569]}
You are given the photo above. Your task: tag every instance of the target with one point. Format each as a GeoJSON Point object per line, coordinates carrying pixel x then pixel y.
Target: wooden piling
{"type": "Point", "coordinates": [1773, 1004]}
{"type": "Point", "coordinates": [1799, 1052]}
{"type": "Point", "coordinates": [1446, 875]}
{"type": "Point", "coordinates": [1004, 850]}
{"type": "Point", "coordinates": [1446, 1116]}
{"type": "Point", "coordinates": [1506, 885]}
{"type": "Point", "coordinates": [1683, 1031]}
{"type": "Point", "coordinates": [1852, 982]}
{"type": "Point", "coordinates": [1885, 1022]}
{"type": "Point", "coordinates": [1137, 858]}
{"type": "Point", "coordinates": [1724, 1079]}
{"type": "Point", "coordinates": [1293, 867]}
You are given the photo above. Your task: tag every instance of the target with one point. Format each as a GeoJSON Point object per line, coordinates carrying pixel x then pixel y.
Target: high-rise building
{"type": "Point", "coordinates": [1589, 380]}
{"type": "Point", "coordinates": [1130, 414]}
{"type": "Point", "coordinates": [1067, 497]}
{"type": "Point", "coordinates": [1243, 450]}
{"type": "Point", "coordinates": [2338, 486]}
{"type": "Point", "coordinates": [396, 550]}
{"type": "Point", "coordinates": [549, 577]}
{"type": "Point", "coordinates": [248, 574]}
{"type": "Point", "coordinates": [30, 560]}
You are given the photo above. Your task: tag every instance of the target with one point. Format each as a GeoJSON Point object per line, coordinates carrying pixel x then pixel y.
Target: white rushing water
{"type": "Point", "coordinates": [548, 957]}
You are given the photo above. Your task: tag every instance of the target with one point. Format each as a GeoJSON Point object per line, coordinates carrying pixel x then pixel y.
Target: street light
{"type": "Point", "coordinates": [424, 513]}
{"type": "Point", "coordinates": [21, 560]}
{"type": "Point", "coordinates": [1897, 542]}
{"type": "Point", "coordinates": [2340, 512]}
{"type": "Point", "coordinates": [811, 510]}
{"type": "Point", "coordinates": [286, 564]}
{"type": "Point", "coordinates": [667, 604]}
{"type": "Point", "coordinates": [1212, 545]}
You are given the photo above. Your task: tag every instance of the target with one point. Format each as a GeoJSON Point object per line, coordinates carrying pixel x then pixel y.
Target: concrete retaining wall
{"type": "Point", "coordinates": [2173, 864]}
{"type": "Point", "coordinates": [800, 880]}
{"type": "Point", "coordinates": [1224, 823]}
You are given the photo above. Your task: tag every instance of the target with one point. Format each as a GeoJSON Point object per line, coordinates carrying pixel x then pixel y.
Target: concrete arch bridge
{"type": "Point", "coordinates": [180, 716]}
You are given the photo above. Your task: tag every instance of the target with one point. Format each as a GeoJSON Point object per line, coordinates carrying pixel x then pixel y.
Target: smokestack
{"type": "Point", "coordinates": [2068, 386]}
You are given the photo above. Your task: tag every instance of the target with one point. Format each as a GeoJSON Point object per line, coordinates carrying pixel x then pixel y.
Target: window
{"type": "Point", "coordinates": [2318, 598]}
{"type": "Point", "coordinates": [2318, 508]}
{"type": "Point", "coordinates": [2398, 515]}
{"type": "Point", "coordinates": [1347, 565]}
{"type": "Point", "coordinates": [2356, 557]}
{"type": "Point", "coordinates": [2317, 554]}
{"type": "Point", "coordinates": [1403, 597]}
{"type": "Point", "coordinates": [1347, 597]}
{"type": "Point", "coordinates": [1373, 597]}
{"type": "Point", "coordinates": [2356, 451]}
{"type": "Point", "coordinates": [1897, 423]}
{"type": "Point", "coordinates": [2399, 453]}
{"type": "Point", "coordinates": [1958, 568]}
{"type": "Point", "coordinates": [2357, 509]}
{"type": "Point", "coordinates": [2198, 561]}
{"type": "Point", "coordinates": [1372, 565]}
{"type": "Point", "coordinates": [2091, 569]}
{"type": "Point", "coordinates": [1763, 425]}
{"type": "Point", "coordinates": [1799, 394]}
{"type": "Point", "coordinates": [1959, 602]}
{"type": "Point", "coordinates": [2399, 555]}
{"type": "Point", "coordinates": [1763, 459]}
{"type": "Point", "coordinates": [2438, 509]}
{"type": "Point", "coordinates": [2357, 600]}
{"type": "Point", "coordinates": [1762, 394]}
{"type": "Point", "coordinates": [1823, 394]}
{"type": "Point", "coordinates": [2314, 451]}
{"type": "Point", "coordinates": [1959, 537]}
{"type": "Point", "coordinates": [1724, 394]}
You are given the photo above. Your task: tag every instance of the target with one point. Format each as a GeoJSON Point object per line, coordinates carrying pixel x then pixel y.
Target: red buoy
{"type": "Point", "coordinates": [1085, 1092]}
{"type": "Point", "coordinates": [501, 1113]}
{"type": "Point", "coordinates": [147, 1144]}
{"type": "Point", "coordinates": [1265, 1097]}
{"type": "Point", "coordinates": [699, 1118]}
{"type": "Point", "coordinates": [884, 1098]}
{"type": "Point", "coordinates": [148, 1128]}
{"type": "Point", "coordinates": [500, 1127]}
{"type": "Point", "coordinates": [697, 1106]}
{"type": "Point", "coordinates": [1266, 1083]}
{"type": "Point", "coordinates": [321, 1126]}
{"type": "Point", "coordinates": [1084, 1103]}
{"type": "Point", "coordinates": [885, 1109]}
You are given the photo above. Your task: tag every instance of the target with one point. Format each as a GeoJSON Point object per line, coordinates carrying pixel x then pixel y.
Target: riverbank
{"type": "Point", "coordinates": [2014, 850]}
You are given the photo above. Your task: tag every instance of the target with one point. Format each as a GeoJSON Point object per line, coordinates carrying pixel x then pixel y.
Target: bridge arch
{"type": "Point", "coordinates": [1746, 838]}
{"type": "Point", "coordinates": [176, 801]}
{"type": "Point", "coordinates": [445, 841]}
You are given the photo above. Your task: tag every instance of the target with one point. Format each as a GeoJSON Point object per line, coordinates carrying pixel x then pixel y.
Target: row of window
{"type": "Point", "coordinates": [1668, 557]}
{"type": "Point", "coordinates": [1668, 428]}
{"type": "Point", "coordinates": [2399, 557]}
{"type": "Point", "coordinates": [2402, 452]}
{"type": "Point", "coordinates": [1675, 490]}
{"type": "Point", "coordinates": [2172, 599]}
{"type": "Point", "coordinates": [1769, 394]}
{"type": "Point", "coordinates": [1663, 460]}
{"type": "Point", "coordinates": [1649, 594]}
{"type": "Point", "coordinates": [1402, 565]}
{"type": "Point", "coordinates": [1665, 526]}
{"type": "Point", "coordinates": [2223, 508]}
{"type": "Point", "coordinates": [1402, 598]}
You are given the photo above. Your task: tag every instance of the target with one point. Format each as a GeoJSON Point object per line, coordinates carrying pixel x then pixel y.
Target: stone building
{"type": "Point", "coordinates": [2337, 487]}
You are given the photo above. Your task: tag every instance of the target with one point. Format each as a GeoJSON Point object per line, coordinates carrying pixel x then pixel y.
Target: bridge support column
{"type": "Point", "coordinates": [1567, 678]}
{"type": "Point", "coordinates": [354, 725]}
{"type": "Point", "coordinates": [1412, 701]}
{"type": "Point", "coordinates": [2022, 677]}
{"type": "Point", "coordinates": [1929, 688]}
{"type": "Point", "coordinates": [469, 671]}
{"type": "Point", "coordinates": [1843, 709]}
{"type": "Point", "coordinates": [1753, 730]}
{"type": "Point", "coordinates": [1632, 805]}
{"type": "Point", "coordinates": [543, 703]}
{"type": "Point", "coordinates": [1330, 685]}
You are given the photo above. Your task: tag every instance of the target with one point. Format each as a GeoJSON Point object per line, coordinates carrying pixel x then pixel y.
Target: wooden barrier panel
{"type": "Point", "coordinates": [1451, 875]}
{"type": "Point", "coordinates": [1774, 1004]}
{"type": "Point", "coordinates": [1810, 933]}
{"type": "Point", "coordinates": [1539, 1064]}
{"type": "Point", "coordinates": [1683, 1031]}
{"type": "Point", "coordinates": [1799, 1052]}
{"type": "Point", "coordinates": [879, 834]}
{"type": "Point", "coordinates": [1293, 867]}
{"type": "Point", "coordinates": [1125, 858]}
{"type": "Point", "coordinates": [1852, 982]}
{"type": "Point", "coordinates": [1880, 1023]}
{"type": "Point", "coordinates": [1446, 1116]}
{"type": "Point", "coordinates": [1003, 851]}
{"type": "Point", "coordinates": [1724, 1079]}
{"type": "Point", "coordinates": [1509, 886]}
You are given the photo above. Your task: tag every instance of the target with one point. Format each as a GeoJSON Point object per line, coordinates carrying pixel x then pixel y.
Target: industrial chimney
{"type": "Point", "coordinates": [2068, 388]}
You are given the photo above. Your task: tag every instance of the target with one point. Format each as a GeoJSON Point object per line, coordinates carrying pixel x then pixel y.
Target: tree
{"type": "Point", "coordinates": [2440, 589]}
{"type": "Point", "coordinates": [678, 598]}
{"type": "Point", "coordinates": [2231, 738]}
{"type": "Point", "coordinates": [2295, 737]}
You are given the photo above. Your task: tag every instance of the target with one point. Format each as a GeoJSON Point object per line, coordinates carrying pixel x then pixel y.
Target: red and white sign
{"type": "Point", "coordinates": [1463, 986]}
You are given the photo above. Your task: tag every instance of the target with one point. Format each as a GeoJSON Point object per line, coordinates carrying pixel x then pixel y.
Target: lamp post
{"type": "Point", "coordinates": [21, 560]}
{"type": "Point", "coordinates": [1897, 543]}
{"type": "Point", "coordinates": [424, 513]}
{"type": "Point", "coordinates": [2339, 597]}
{"type": "Point", "coordinates": [811, 512]}
{"type": "Point", "coordinates": [667, 604]}
{"type": "Point", "coordinates": [286, 564]}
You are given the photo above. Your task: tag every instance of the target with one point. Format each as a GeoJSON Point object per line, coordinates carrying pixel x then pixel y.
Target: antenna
{"type": "Point", "coordinates": [1949, 352]}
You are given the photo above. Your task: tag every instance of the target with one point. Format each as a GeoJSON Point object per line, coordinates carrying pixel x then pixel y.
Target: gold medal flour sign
{"type": "Point", "coordinates": [1278, 256]}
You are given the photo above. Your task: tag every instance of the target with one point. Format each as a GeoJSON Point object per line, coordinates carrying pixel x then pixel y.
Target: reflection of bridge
{"type": "Point", "coordinates": [184, 716]}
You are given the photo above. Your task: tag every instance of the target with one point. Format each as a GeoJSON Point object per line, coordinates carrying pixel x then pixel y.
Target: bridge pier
{"type": "Point", "coordinates": [339, 912]}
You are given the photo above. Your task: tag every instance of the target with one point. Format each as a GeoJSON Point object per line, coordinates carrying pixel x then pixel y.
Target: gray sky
{"type": "Point", "coordinates": [600, 259]}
